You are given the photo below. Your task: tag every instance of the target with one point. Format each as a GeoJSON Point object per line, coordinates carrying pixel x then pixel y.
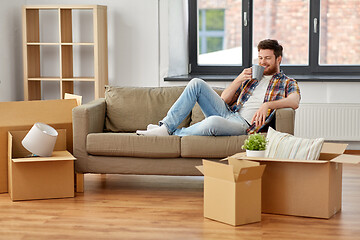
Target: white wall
{"type": "Point", "coordinates": [11, 84]}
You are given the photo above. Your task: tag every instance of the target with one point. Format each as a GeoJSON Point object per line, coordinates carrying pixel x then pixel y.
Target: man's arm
{"type": "Point", "coordinates": [228, 94]}
{"type": "Point", "coordinates": [291, 101]}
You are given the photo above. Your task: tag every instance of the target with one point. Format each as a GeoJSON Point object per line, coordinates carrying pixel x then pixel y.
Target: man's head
{"type": "Point", "coordinates": [270, 55]}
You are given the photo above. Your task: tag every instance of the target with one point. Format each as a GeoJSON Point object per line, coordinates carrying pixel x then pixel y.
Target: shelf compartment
{"type": "Point", "coordinates": [67, 61]}
{"type": "Point", "coordinates": [33, 61]}
{"type": "Point", "coordinates": [34, 90]}
{"type": "Point", "coordinates": [83, 61]}
{"type": "Point", "coordinates": [83, 20]}
{"type": "Point", "coordinates": [66, 25]}
{"type": "Point", "coordinates": [46, 56]}
{"type": "Point", "coordinates": [66, 87]}
{"type": "Point", "coordinates": [49, 26]}
{"type": "Point", "coordinates": [49, 61]}
{"type": "Point", "coordinates": [32, 26]}
{"type": "Point", "coordinates": [50, 90]}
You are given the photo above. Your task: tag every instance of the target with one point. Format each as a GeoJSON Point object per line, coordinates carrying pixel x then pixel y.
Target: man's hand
{"type": "Point", "coordinates": [245, 75]}
{"type": "Point", "coordinates": [260, 115]}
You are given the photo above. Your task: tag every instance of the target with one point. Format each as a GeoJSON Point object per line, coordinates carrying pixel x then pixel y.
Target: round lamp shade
{"type": "Point", "coordinates": [40, 140]}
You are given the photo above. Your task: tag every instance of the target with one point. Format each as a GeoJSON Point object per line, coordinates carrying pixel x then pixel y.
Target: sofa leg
{"type": "Point", "coordinates": [79, 182]}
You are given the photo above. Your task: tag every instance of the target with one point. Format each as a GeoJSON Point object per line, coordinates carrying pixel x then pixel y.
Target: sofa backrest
{"type": "Point", "coordinates": [131, 108]}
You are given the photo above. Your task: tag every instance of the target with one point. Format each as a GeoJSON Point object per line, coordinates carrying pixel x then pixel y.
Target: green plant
{"type": "Point", "coordinates": [255, 141]}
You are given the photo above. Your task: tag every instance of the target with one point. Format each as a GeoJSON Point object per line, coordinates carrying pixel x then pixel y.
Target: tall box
{"type": "Point", "coordinates": [39, 177]}
{"type": "Point", "coordinates": [232, 192]}
{"type": "Point", "coordinates": [309, 188]}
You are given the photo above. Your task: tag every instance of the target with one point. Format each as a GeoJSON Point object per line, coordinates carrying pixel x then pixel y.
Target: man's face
{"type": "Point", "coordinates": [268, 60]}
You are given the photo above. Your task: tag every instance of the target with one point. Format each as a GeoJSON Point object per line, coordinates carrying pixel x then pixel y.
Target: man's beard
{"type": "Point", "coordinates": [271, 70]}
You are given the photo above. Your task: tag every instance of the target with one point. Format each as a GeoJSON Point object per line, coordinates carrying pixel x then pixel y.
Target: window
{"type": "Point", "coordinates": [320, 37]}
{"type": "Point", "coordinates": [211, 30]}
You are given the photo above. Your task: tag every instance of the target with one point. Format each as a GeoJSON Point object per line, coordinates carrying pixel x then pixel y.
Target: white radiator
{"type": "Point", "coordinates": [330, 121]}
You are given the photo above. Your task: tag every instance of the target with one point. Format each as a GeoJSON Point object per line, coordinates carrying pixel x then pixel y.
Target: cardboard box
{"type": "Point", "coordinates": [232, 192]}
{"type": "Point", "coordinates": [22, 115]}
{"type": "Point", "coordinates": [304, 187]}
{"type": "Point", "coordinates": [39, 177]}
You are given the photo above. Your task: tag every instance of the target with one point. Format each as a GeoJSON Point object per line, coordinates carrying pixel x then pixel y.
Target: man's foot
{"type": "Point", "coordinates": [152, 126]}
{"type": "Point", "coordinates": [159, 131]}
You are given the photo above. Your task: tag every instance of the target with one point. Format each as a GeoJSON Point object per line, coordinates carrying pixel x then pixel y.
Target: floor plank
{"type": "Point", "coordinates": [162, 207]}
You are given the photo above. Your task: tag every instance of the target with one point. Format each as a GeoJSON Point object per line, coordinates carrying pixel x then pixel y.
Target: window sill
{"type": "Point", "coordinates": [299, 78]}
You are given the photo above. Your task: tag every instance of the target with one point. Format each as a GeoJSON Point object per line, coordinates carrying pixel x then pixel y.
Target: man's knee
{"type": "Point", "coordinates": [213, 121]}
{"type": "Point", "coordinates": [196, 81]}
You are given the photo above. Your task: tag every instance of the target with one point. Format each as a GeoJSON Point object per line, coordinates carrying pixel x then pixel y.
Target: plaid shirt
{"type": "Point", "coordinates": [280, 86]}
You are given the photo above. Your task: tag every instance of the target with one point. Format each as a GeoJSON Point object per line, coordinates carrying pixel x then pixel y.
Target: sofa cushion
{"type": "Point", "coordinates": [196, 114]}
{"type": "Point", "coordinates": [131, 108]}
{"type": "Point", "coordinates": [132, 145]}
{"type": "Point", "coordinates": [211, 147]}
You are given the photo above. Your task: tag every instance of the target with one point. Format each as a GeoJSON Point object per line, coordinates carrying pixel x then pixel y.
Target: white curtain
{"type": "Point", "coordinates": [173, 38]}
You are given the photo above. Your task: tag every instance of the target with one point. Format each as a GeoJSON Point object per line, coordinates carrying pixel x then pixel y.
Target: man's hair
{"type": "Point", "coordinates": [271, 44]}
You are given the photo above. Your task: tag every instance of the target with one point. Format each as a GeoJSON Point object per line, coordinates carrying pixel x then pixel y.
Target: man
{"type": "Point", "coordinates": [245, 106]}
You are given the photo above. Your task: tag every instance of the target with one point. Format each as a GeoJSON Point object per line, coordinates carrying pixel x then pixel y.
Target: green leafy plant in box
{"type": "Point", "coordinates": [255, 142]}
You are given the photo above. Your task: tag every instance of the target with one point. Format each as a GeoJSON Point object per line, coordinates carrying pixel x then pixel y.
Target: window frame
{"type": "Point", "coordinates": [312, 69]}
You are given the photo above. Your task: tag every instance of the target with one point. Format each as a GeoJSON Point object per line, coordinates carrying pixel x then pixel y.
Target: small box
{"type": "Point", "coordinates": [39, 177]}
{"type": "Point", "coordinates": [232, 192]}
{"type": "Point", "coordinates": [309, 188]}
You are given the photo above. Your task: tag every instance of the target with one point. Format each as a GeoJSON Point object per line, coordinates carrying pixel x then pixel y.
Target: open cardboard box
{"type": "Point", "coordinates": [22, 115]}
{"type": "Point", "coordinates": [304, 187]}
{"type": "Point", "coordinates": [39, 177]}
{"type": "Point", "coordinates": [232, 192]}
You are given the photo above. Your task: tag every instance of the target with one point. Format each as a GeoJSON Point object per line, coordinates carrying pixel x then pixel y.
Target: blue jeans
{"type": "Point", "coordinates": [219, 119]}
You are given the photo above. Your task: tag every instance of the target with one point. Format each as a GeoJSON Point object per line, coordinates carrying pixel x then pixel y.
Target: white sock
{"type": "Point", "coordinates": [152, 126]}
{"type": "Point", "coordinates": [160, 131]}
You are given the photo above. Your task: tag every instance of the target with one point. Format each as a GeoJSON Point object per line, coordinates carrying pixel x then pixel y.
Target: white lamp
{"type": "Point", "coordinates": [40, 140]}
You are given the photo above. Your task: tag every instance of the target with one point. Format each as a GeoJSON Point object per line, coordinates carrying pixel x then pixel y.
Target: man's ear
{"type": "Point", "coordinates": [279, 58]}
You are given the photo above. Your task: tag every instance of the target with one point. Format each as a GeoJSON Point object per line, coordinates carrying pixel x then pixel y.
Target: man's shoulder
{"type": "Point", "coordinates": [282, 76]}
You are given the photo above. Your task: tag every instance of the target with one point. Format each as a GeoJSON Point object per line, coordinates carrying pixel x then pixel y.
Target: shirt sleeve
{"type": "Point", "coordinates": [292, 86]}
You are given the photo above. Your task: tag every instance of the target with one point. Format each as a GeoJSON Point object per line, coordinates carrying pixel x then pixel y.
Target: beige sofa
{"type": "Point", "coordinates": [105, 139]}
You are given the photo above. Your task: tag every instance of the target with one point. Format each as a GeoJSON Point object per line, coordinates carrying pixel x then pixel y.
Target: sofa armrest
{"type": "Point", "coordinates": [87, 118]}
{"type": "Point", "coordinates": [285, 120]}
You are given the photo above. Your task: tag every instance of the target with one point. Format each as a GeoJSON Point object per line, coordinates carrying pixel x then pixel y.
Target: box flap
{"type": "Point", "coordinates": [218, 170]}
{"type": "Point", "coordinates": [250, 173]}
{"type": "Point", "coordinates": [10, 137]}
{"type": "Point", "coordinates": [239, 164]}
{"type": "Point", "coordinates": [56, 156]}
{"type": "Point", "coordinates": [200, 168]}
{"type": "Point", "coordinates": [334, 148]}
{"type": "Point", "coordinates": [347, 158]}
{"type": "Point", "coordinates": [264, 159]}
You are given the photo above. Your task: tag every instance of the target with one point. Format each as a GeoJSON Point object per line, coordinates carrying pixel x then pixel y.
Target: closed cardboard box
{"type": "Point", "coordinates": [304, 187]}
{"type": "Point", "coordinates": [232, 192]}
{"type": "Point", "coordinates": [39, 177]}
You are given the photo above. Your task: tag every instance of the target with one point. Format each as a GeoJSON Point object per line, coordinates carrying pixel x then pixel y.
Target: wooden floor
{"type": "Point", "coordinates": [160, 207]}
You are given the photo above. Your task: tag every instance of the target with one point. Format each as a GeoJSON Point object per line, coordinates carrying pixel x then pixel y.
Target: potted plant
{"type": "Point", "coordinates": [255, 145]}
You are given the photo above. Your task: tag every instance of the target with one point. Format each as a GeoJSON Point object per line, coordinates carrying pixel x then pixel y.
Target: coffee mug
{"type": "Point", "coordinates": [257, 71]}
